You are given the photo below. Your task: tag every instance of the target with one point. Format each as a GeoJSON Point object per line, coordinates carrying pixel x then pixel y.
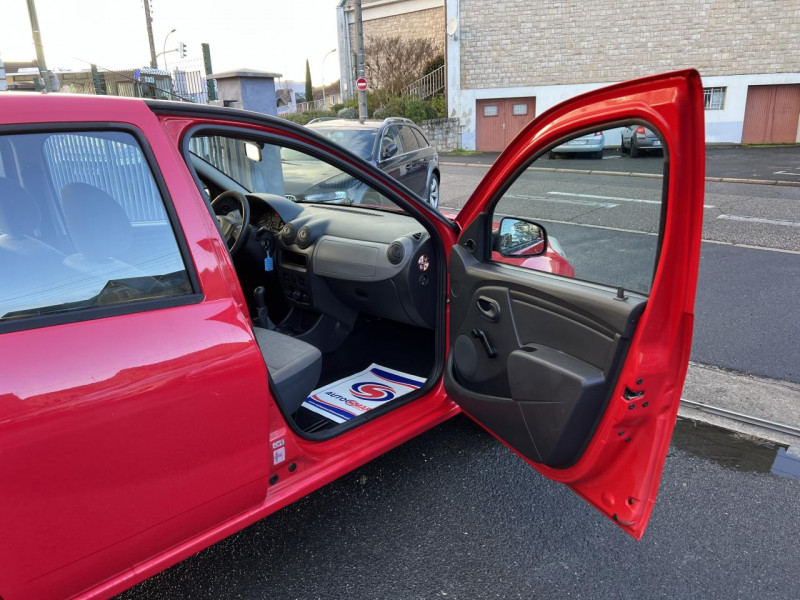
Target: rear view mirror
{"type": "Point", "coordinates": [519, 237]}
{"type": "Point", "coordinates": [252, 151]}
{"type": "Point", "coordinates": [389, 151]}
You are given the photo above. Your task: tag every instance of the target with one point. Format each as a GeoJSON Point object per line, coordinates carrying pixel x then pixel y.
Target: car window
{"type": "Point", "coordinates": [392, 136]}
{"type": "Point", "coordinates": [602, 226]}
{"type": "Point", "coordinates": [423, 143]}
{"type": "Point", "coordinates": [360, 142]}
{"type": "Point", "coordinates": [117, 245]}
{"type": "Point", "coordinates": [282, 171]}
{"type": "Point", "coordinates": [410, 142]}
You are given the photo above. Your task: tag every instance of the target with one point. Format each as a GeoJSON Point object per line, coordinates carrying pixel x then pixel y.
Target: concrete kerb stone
{"type": "Point", "coordinates": [627, 174]}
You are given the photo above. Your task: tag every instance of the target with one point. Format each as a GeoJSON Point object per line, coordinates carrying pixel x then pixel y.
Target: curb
{"type": "Point", "coordinates": [632, 174]}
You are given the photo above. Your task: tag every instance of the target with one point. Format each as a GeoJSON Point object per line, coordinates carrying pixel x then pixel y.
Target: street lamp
{"type": "Point", "coordinates": [165, 47]}
{"type": "Point", "coordinates": [323, 76]}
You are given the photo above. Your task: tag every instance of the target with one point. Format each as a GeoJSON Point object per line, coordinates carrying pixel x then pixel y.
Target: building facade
{"type": "Point", "coordinates": [407, 19]}
{"type": "Point", "coordinates": [538, 53]}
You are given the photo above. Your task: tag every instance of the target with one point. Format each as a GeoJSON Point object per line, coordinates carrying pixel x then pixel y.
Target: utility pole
{"type": "Point", "coordinates": [149, 22]}
{"type": "Point", "coordinates": [37, 42]}
{"type": "Point", "coordinates": [362, 96]}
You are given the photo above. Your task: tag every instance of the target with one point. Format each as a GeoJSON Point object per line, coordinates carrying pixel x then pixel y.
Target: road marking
{"type": "Point", "coordinates": [562, 200]}
{"type": "Point", "coordinates": [759, 220]}
{"type": "Point", "coordinates": [621, 230]}
{"type": "Point", "coordinates": [611, 157]}
{"type": "Point", "coordinates": [639, 200]}
{"type": "Point", "coordinates": [617, 199]}
{"type": "Point", "coordinates": [786, 173]}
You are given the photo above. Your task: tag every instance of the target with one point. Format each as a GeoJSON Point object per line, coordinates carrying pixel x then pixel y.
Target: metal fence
{"type": "Point", "coordinates": [113, 164]}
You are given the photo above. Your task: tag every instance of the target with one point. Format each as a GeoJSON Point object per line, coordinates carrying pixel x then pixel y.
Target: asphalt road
{"type": "Point", "coordinates": [778, 163]}
{"type": "Point", "coordinates": [454, 514]}
{"type": "Point", "coordinates": [748, 305]}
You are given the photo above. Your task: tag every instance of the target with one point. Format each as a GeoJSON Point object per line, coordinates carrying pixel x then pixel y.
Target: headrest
{"type": "Point", "coordinates": [19, 213]}
{"type": "Point", "coordinates": [98, 225]}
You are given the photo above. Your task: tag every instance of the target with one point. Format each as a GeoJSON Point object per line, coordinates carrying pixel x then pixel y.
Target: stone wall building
{"type": "Point", "coordinates": [748, 53]}
{"type": "Point", "coordinates": [407, 19]}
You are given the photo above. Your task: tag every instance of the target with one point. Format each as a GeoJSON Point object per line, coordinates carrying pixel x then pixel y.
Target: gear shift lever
{"type": "Point", "coordinates": [261, 308]}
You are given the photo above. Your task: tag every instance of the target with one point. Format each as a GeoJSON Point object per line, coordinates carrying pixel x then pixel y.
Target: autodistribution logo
{"type": "Point", "coordinates": [372, 391]}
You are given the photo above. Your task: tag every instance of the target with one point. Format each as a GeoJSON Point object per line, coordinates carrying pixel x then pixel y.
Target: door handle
{"type": "Point", "coordinates": [408, 166]}
{"type": "Point", "coordinates": [478, 334]}
{"type": "Point", "coordinates": [489, 309]}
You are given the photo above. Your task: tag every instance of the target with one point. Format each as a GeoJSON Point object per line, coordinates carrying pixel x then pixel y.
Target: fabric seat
{"type": "Point", "coordinates": [294, 366]}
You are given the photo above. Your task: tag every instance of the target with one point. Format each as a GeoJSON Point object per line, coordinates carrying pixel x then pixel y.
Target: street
{"type": "Point", "coordinates": [454, 514]}
{"type": "Point", "coordinates": [747, 309]}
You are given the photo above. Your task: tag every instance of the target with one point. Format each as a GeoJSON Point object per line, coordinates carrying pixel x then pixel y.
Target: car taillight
{"type": "Point", "coordinates": [640, 130]}
{"type": "Point", "coordinates": [596, 133]}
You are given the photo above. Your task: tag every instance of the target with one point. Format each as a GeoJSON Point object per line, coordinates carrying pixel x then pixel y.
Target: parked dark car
{"type": "Point", "coordinates": [394, 145]}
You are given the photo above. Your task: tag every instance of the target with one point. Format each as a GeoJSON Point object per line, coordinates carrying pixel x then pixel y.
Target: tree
{"type": "Point", "coordinates": [309, 87]}
{"type": "Point", "coordinates": [392, 63]}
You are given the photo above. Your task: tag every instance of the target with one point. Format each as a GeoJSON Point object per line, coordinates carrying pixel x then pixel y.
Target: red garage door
{"type": "Point", "coordinates": [771, 114]}
{"type": "Point", "coordinates": [500, 120]}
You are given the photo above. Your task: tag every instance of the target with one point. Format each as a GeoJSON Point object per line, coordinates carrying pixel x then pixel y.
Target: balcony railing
{"type": "Point", "coordinates": [427, 86]}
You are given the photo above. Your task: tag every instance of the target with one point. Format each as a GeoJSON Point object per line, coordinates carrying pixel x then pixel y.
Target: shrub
{"type": "Point", "coordinates": [304, 117]}
{"type": "Point", "coordinates": [348, 113]}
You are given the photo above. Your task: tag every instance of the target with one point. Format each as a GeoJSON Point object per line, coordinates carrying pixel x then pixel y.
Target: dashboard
{"type": "Point", "coordinates": [341, 260]}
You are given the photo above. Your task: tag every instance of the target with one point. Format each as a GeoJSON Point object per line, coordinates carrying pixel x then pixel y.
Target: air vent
{"type": "Point", "coordinates": [304, 237]}
{"type": "Point", "coordinates": [395, 252]}
{"type": "Point", "coordinates": [287, 234]}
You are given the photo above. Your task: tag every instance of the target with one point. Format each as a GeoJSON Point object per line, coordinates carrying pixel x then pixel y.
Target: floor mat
{"type": "Point", "coordinates": [356, 394]}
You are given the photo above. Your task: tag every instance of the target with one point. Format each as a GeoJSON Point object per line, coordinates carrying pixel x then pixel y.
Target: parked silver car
{"type": "Point", "coordinates": [592, 144]}
{"type": "Point", "coordinates": [637, 139]}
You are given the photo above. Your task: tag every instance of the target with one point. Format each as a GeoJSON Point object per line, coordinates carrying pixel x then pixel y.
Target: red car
{"type": "Point", "coordinates": [185, 349]}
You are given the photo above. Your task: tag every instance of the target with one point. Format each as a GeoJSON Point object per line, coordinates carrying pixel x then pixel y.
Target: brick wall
{"type": "Point", "coordinates": [540, 42]}
{"type": "Point", "coordinates": [443, 134]}
{"type": "Point", "coordinates": [425, 24]}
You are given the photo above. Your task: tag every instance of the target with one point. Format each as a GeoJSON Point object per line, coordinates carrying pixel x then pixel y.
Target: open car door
{"type": "Point", "coordinates": [581, 379]}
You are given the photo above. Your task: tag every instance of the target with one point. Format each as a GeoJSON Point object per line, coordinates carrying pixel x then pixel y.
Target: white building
{"type": "Point", "coordinates": [510, 57]}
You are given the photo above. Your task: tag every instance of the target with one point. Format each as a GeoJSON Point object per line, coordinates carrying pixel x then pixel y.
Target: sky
{"type": "Point", "coordinates": [269, 35]}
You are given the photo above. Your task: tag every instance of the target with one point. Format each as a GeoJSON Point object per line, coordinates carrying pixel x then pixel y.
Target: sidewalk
{"type": "Point", "coordinates": [768, 399]}
{"type": "Point", "coordinates": [773, 165]}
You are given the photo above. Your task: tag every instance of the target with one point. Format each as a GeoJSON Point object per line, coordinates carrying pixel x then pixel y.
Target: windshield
{"type": "Point", "coordinates": [358, 141]}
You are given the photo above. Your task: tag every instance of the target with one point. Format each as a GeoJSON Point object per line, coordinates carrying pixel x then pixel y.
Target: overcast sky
{"type": "Point", "coordinates": [269, 35]}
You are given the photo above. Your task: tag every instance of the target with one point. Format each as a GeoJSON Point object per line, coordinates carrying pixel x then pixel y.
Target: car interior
{"type": "Point", "coordinates": [333, 289]}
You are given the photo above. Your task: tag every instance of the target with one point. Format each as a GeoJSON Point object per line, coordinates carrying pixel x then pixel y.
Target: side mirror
{"type": "Point", "coordinates": [389, 151]}
{"type": "Point", "coordinates": [520, 238]}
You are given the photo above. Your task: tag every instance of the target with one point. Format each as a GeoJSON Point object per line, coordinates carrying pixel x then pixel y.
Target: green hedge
{"type": "Point", "coordinates": [380, 106]}
{"type": "Point", "coordinates": [304, 117]}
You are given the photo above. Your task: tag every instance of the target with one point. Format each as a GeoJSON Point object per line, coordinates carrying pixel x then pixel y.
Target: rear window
{"type": "Point", "coordinates": [360, 142]}
{"type": "Point", "coordinates": [82, 225]}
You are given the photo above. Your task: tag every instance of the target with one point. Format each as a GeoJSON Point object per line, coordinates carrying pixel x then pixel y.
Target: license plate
{"type": "Point", "coordinates": [576, 142]}
{"type": "Point", "coordinates": [656, 142]}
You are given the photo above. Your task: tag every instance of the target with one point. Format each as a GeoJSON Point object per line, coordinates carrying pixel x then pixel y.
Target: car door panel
{"type": "Point", "coordinates": [585, 379]}
{"type": "Point", "coordinates": [123, 434]}
{"type": "Point", "coordinates": [556, 349]}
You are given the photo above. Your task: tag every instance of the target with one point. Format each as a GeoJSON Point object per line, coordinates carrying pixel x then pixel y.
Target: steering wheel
{"type": "Point", "coordinates": [233, 215]}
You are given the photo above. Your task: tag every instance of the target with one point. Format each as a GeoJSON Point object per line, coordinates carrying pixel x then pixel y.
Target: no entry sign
{"type": "Point", "coordinates": [361, 84]}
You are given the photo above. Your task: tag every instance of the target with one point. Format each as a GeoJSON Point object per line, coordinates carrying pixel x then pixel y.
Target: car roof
{"type": "Point", "coordinates": [366, 124]}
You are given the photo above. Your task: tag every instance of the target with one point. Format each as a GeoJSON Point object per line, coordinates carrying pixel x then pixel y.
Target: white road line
{"type": "Point", "coordinates": [605, 197]}
{"type": "Point", "coordinates": [561, 201]}
{"type": "Point", "coordinates": [637, 200]}
{"type": "Point", "coordinates": [619, 229]}
{"type": "Point", "coordinates": [786, 173]}
{"type": "Point", "coordinates": [759, 220]}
